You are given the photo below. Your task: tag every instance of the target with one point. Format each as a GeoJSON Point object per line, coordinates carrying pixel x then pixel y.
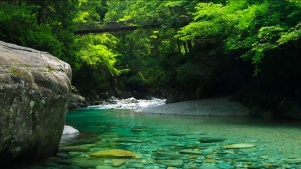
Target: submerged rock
{"type": "Point", "coordinates": [167, 155]}
{"type": "Point", "coordinates": [34, 95]}
{"type": "Point", "coordinates": [78, 148]}
{"type": "Point", "coordinates": [118, 163]}
{"type": "Point", "coordinates": [211, 140]}
{"type": "Point", "coordinates": [239, 146]}
{"type": "Point", "coordinates": [86, 162]}
{"type": "Point", "coordinates": [127, 140]}
{"type": "Point", "coordinates": [293, 161]}
{"type": "Point", "coordinates": [171, 163]}
{"type": "Point", "coordinates": [114, 153]}
{"type": "Point", "coordinates": [208, 166]}
{"type": "Point", "coordinates": [191, 151]}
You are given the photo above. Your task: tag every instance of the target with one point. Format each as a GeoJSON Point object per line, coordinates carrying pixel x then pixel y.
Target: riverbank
{"type": "Point", "coordinates": [205, 107]}
{"type": "Point", "coordinates": [220, 107]}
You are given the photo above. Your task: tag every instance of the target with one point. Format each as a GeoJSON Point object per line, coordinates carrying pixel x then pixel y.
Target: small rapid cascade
{"type": "Point", "coordinates": [114, 103]}
{"type": "Point", "coordinates": [130, 103]}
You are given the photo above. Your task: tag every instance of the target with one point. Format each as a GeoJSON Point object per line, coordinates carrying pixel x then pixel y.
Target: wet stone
{"type": "Point", "coordinates": [125, 140]}
{"type": "Point", "coordinates": [104, 167]}
{"type": "Point", "coordinates": [246, 159]}
{"type": "Point", "coordinates": [239, 146]}
{"type": "Point", "coordinates": [167, 155]}
{"type": "Point", "coordinates": [193, 156]}
{"type": "Point", "coordinates": [255, 166]}
{"type": "Point", "coordinates": [79, 148]}
{"type": "Point", "coordinates": [178, 134]}
{"type": "Point", "coordinates": [205, 145]}
{"type": "Point", "coordinates": [211, 140]}
{"type": "Point", "coordinates": [209, 160]}
{"type": "Point", "coordinates": [118, 163]}
{"type": "Point", "coordinates": [209, 157]}
{"type": "Point", "coordinates": [293, 161]}
{"type": "Point", "coordinates": [207, 152]}
{"type": "Point", "coordinates": [191, 151]}
{"type": "Point", "coordinates": [209, 166]}
{"type": "Point", "coordinates": [134, 164]}
{"type": "Point", "coordinates": [86, 162]}
{"type": "Point", "coordinates": [225, 166]}
{"type": "Point", "coordinates": [171, 163]}
{"type": "Point", "coordinates": [114, 153]}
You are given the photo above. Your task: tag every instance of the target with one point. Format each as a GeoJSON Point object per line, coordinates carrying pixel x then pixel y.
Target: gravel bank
{"type": "Point", "coordinates": [205, 107]}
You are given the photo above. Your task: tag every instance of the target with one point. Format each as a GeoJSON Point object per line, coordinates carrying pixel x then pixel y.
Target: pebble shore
{"type": "Point", "coordinates": [207, 107]}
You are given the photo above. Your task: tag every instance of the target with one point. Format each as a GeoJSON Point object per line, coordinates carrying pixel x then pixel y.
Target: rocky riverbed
{"type": "Point", "coordinates": [206, 107]}
{"type": "Point", "coordinates": [117, 138]}
{"type": "Point", "coordinates": [200, 142]}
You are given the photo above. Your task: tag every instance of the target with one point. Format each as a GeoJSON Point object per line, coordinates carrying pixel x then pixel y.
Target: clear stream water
{"type": "Point", "coordinates": [168, 141]}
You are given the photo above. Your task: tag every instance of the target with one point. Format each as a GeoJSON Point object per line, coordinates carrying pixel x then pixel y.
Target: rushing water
{"type": "Point", "coordinates": [166, 141]}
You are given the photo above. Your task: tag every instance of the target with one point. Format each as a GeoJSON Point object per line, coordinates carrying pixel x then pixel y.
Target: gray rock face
{"type": "Point", "coordinates": [34, 95]}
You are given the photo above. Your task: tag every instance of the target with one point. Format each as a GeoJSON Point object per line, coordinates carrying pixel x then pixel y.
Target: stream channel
{"type": "Point", "coordinates": [172, 142]}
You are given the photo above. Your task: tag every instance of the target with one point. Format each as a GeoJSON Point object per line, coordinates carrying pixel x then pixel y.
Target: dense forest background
{"type": "Point", "coordinates": [179, 49]}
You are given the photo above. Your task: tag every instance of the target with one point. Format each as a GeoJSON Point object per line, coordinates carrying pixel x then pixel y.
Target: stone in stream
{"type": "Point", "coordinates": [114, 153]}
{"type": "Point", "coordinates": [293, 161]}
{"type": "Point", "coordinates": [171, 163]}
{"type": "Point", "coordinates": [190, 151]}
{"type": "Point", "coordinates": [134, 164]}
{"type": "Point", "coordinates": [70, 130]}
{"type": "Point", "coordinates": [255, 166]}
{"type": "Point", "coordinates": [225, 166]}
{"type": "Point", "coordinates": [167, 155]}
{"type": "Point", "coordinates": [86, 162]}
{"type": "Point", "coordinates": [211, 140]}
{"type": "Point", "coordinates": [104, 167]}
{"type": "Point", "coordinates": [239, 146]}
{"type": "Point", "coordinates": [34, 93]}
{"type": "Point", "coordinates": [118, 163]}
{"type": "Point", "coordinates": [138, 129]}
{"type": "Point", "coordinates": [127, 140]}
{"type": "Point", "coordinates": [78, 148]}
{"type": "Point", "coordinates": [208, 166]}
{"type": "Point", "coordinates": [244, 159]}
{"type": "Point", "coordinates": [207, 151]}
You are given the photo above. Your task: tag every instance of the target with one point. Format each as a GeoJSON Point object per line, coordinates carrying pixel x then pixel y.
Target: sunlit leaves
{"type": "Point", "coordinates": [253, 27]}
{"type": "Point", "coordinates": [291, 35]}
{"type": "Point", "coordinates": [94, 53]}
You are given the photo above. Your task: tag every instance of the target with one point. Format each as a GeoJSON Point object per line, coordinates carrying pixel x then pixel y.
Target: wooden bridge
{"type": "Point", "coordinates": [87, 28]}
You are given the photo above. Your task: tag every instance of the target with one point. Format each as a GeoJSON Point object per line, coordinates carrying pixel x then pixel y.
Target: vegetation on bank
{"type": "Point", "coordinates": [192, 49]}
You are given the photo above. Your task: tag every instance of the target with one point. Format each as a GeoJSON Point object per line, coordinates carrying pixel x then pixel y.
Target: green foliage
{"type": "Point", "coordinates": [91, 11]}
{"type": "Point", "coordinates": [251, 27]}
{"type": "Point", "coordinates": [42, 38]}
{"type": "Point", "coordinates": [24, 24]}
{"type": "Point", "coordinates": [94, 52]}
{"type": "Point", "coordinates": [185, 45]}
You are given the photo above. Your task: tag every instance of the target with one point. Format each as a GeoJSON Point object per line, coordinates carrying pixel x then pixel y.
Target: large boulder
{"type": "Point", "coordinates": [34, 95]}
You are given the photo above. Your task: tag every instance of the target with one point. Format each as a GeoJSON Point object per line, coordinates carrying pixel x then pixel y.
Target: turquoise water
{"type": "Point", "coordinates": [166, 141]}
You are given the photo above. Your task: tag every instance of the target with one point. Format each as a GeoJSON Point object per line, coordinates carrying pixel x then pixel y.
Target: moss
{"type": "Point", "coordinates": [50, 69]}
{"type": "Point", "coordinates": [15, 72]}
{"type": "Point", "coordinates": [43, 71]}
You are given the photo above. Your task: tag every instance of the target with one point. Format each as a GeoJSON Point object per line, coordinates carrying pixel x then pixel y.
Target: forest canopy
{"type": "Point", "coordinates": [188, 46]}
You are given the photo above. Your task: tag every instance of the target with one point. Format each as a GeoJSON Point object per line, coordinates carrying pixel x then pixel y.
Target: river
{"type": "Point", "coordinates": [170, 141]}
